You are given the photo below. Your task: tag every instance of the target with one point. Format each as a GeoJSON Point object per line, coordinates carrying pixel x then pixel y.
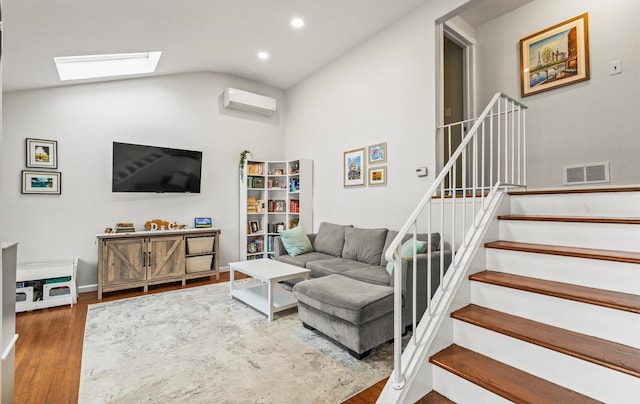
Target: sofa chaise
{"type": "Point", "coordinates": [349, 296]}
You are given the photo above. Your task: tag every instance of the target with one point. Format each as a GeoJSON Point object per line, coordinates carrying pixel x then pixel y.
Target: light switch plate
{"type": "Point", "coordinates": [615, 67]}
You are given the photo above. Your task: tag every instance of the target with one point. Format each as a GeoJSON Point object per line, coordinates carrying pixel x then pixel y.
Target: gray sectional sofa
{"type": "Point", "coordinates": [349, 296]}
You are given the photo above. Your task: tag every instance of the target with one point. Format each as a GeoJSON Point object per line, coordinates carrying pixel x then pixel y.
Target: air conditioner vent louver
{"type": "Point", "coordinates": [248, 102]}
{"type": "Point", "coordinates": [586, 173]}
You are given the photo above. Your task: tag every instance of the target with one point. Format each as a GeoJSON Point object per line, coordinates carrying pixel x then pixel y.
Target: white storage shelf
{"type": "Point", "coordinates": [53, 294]}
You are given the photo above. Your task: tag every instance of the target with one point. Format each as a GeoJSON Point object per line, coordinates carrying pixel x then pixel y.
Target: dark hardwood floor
{"type": "Point", "coordinates": [49, 349]}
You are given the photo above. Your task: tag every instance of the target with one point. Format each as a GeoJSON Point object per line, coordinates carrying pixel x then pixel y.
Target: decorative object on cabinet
{"type": "Point", "coordinates": [378, 176]}
{"type": "Point", "coordinates": [157, 224]}
{"type": "Point", "coordinates": [141, 259]}
{"type": "Point", "coordinates": [378, 153]}
{"type": "Point", "coordinates": [555, 57]}
{"type": "Point", "coordinates": [284, 200]}
{"type": "Point", "coordinates": [41, 182]}
{"type": "Point", "coordinates": [354, 168]}
{"type": "Point", "coordinates": [42, 153]}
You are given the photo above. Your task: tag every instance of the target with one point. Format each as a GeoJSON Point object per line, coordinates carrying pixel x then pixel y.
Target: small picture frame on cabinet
{"type": "Point", "coordinates": [202, 222]}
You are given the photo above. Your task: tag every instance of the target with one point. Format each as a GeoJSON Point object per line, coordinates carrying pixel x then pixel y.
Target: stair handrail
{"type": "Point", "coordinates": [392, 253]}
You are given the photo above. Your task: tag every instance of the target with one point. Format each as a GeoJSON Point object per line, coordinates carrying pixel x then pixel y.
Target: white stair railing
{"type": "Point", "coordinates": [491, 155]}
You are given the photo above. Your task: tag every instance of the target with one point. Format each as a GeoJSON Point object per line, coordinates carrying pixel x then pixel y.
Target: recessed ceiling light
{"type": "Point", "coordinates": [297, 22]}
{"type": "Point", "coordinates": [263, 55]}
{"type": "Point", "coordinates": [94, 66]}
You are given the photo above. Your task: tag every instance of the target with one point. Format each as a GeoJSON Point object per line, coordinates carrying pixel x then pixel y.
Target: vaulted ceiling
{"type": "Point", "coordinates": [195, 35]}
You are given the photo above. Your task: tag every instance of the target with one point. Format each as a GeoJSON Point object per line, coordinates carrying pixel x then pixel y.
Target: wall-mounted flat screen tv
{"type": "Point", "coordinates": [139, 168]}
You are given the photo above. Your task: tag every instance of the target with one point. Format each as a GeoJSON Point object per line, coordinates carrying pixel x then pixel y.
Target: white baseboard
{"type": "Point", "coordinates": [88, 288]}
{"type": "Point", "coordinates": [94, 287]}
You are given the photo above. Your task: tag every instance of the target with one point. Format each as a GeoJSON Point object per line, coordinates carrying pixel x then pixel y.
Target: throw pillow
{"type": "Point", "coordinates": [364, 245]}
{"type": "Point", "coordinates": [296, 241]}
{"type": "Point", "coordinates": [406, 251]}
{"type": "Point", "coordinates": [330, 239]}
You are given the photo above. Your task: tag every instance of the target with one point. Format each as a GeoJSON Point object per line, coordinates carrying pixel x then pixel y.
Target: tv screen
{"type": "Point", "coordinates": [139, 168]}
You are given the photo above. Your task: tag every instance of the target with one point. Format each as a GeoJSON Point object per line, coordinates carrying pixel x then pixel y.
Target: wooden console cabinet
{"type": "Point", "coordinates": [140, 259]}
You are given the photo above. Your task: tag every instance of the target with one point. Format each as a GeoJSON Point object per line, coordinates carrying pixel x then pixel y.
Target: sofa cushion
{"type": "Point", "coordinates": [351, 300]}
{"type": "Point", "coordinates": [374, 274]}
{"type": "Point", "coordinates": [302, 260]}
{"type": "Point", "coordinates": [330, 239]}
{"type": "Point", "coordinates": [364, 245]}
{"type": "Point", "coordinates": [333, 266]}
{"type": "Point", "coordinates": [296, 241]}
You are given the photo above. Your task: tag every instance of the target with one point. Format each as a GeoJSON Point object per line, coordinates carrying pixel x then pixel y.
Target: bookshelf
{"type": "Point", "coordinates": [274, 196]}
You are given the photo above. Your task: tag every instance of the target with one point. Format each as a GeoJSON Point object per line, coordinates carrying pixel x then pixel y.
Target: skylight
{"type": "Point", "coordinates": [94, 66]}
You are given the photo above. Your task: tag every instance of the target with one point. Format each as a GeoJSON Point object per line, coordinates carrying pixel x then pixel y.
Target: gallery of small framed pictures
{"type": "Point", "coordinates": [355, 164]}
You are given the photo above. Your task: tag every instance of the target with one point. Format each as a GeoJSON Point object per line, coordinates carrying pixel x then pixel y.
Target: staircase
{"type": "Point", "coordinates": [555, 315]}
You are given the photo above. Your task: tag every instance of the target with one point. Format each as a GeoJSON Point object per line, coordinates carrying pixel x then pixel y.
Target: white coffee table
{"type": "Point", "coordinates": [267, 297]}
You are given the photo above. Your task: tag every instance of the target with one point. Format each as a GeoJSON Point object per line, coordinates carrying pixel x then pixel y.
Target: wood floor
{"type": "Point", "coordinates": [49, 349]}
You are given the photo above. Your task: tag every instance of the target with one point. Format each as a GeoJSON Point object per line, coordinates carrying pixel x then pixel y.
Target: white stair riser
{"type": "Point", "coordinates": [614, 325]}
{"type": "Point", "coordinates": [575, 374]}
{"type": "Point", "coordinates": [461, 390]}
{"type": "Point", "coordinates": [621, 237]}
{"type": "Point", "coordinates": [608, 275]}
{"type": "Point", "coordinates": [607, 204]}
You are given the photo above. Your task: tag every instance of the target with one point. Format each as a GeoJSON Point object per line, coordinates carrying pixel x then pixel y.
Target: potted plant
{"type": "Point", "coordinates": [244, 155]}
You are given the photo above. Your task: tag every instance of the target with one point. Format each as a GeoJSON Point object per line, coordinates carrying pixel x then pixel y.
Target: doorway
{"type": "Point", "coordinates": [453, 84]}
{"type": "Point", "coordinates": [456, 85]}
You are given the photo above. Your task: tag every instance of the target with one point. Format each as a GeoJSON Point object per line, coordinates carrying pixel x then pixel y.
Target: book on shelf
{"type": "Point", "coordinates": [294, 185]}
{"type": "Point", "coordinates": [294, 206]}
{"type": "Point", "coordinates": [252, 204]}
{"type": "Point", "coordinates": [255, 169]}
{"type": "Point", "coordinates": [255, 182]}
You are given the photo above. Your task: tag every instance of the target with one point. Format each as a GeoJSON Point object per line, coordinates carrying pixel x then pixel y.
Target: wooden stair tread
{"type": "Point", "coordinates": [433, 397]}
{"type": "Point", "coordinates": [592, 253]}
{"type": "Point", "coordinates": [599, 297]}
{"type": "Point", "coordinates": [619, 357]}
{"type": "Point", "coordinates": [633, 188]}
{"type": "Point", "coordinates": [572, 219]}
{"type": "Point", "coordinates": [503, 380]}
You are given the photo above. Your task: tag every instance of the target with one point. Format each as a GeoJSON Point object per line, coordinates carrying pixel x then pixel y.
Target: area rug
{"type": "Point", "coordinates": [197, 345]}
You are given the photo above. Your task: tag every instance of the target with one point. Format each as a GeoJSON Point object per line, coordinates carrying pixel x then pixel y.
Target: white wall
{"type": "Point", "coordinates": [182, 111]}
{"type": "Point", "coordinates": [589, 122]}
{"type": "Point", "coordinates": [381, 91]}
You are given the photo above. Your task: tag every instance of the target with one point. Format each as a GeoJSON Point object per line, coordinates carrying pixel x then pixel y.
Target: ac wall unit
{"type": "Point", "coordinates": [248, 102]}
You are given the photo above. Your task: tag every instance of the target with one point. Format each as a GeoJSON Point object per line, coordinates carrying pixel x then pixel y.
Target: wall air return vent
{"type": "Point", "coordinates": [586, 174]}
{"type": "Point", "coordinates": [248, 102]}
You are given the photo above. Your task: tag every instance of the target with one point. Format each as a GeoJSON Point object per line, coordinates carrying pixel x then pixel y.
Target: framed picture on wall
{"type": "Point", "coordinates": [555, 57]}
{"type": "Point", "coordinates": [378, 176]}
{"type": "Point", "coordinates": [41, 182]}
{"type": "Point", "coordinates": [42, 153]}
{"type": "Point", "coordinates": [378, 153]}
{"type": "Point", "coordinates": [354, 168]}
